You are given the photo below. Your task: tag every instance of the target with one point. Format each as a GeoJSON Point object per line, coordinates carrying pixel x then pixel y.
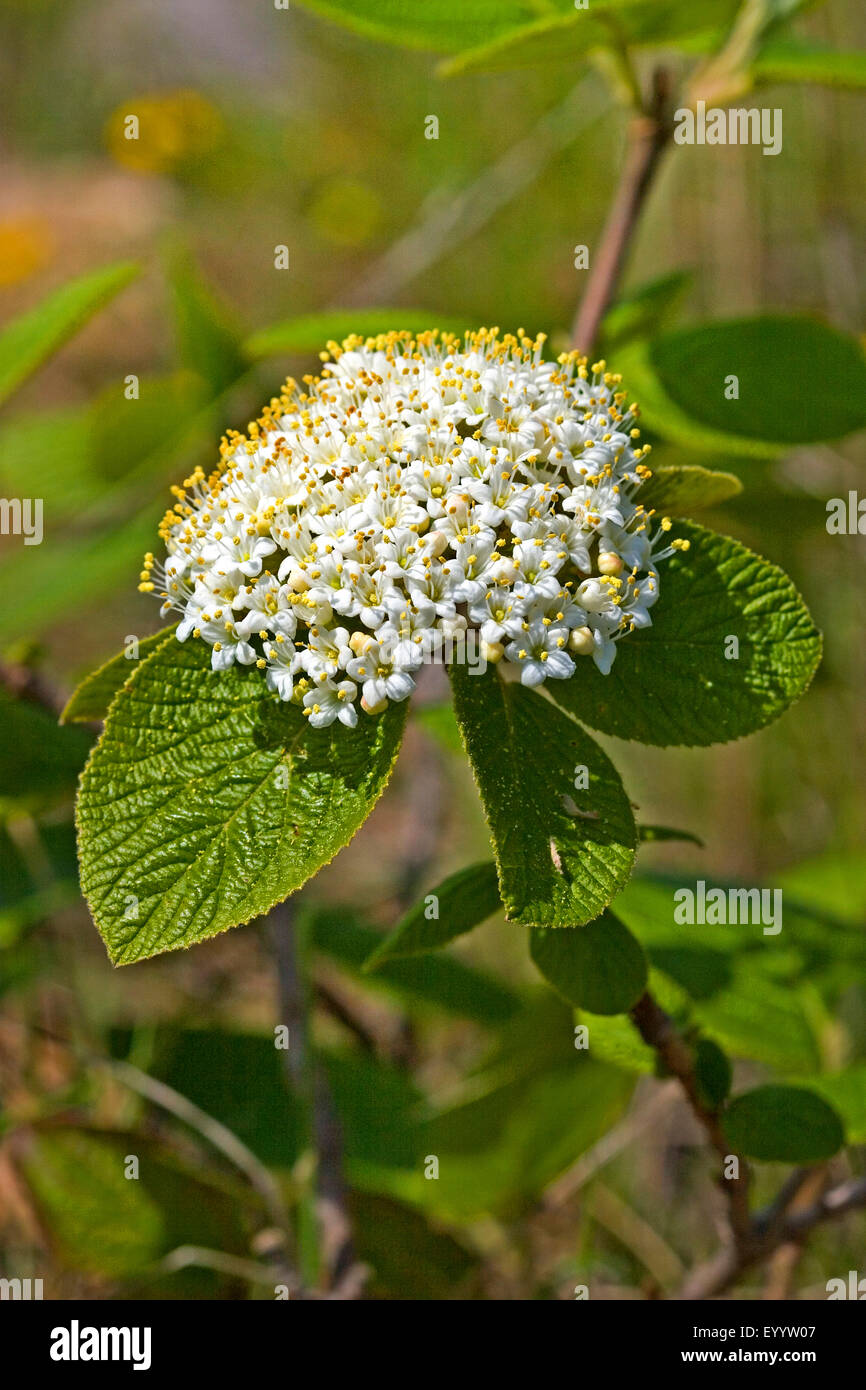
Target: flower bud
{"type": "Point", "coordinates": [492, 652]}
{"type": "Point", "coordinates": [580, 641]}
{"type": "Point", "coordinates": [373, 709]}
{"type": "Point", "coordinates": [609, 562]}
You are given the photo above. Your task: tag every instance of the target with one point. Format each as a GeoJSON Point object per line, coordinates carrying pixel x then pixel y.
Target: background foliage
{"type": "Point", "coordinates": [155, 258]}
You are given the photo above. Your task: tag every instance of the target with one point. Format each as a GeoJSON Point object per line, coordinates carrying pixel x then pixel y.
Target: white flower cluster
{"type": "Point", "coordinates": [420, 488]}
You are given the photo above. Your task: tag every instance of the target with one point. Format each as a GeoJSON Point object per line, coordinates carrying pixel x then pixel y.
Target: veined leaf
{"type": "Point", "coordinates": [310, 332]}
{"type": "Point", "coordinates": [561, 824]}
{"type": "Point", "coordinates": [682, 681]}
{"type": "Point", "coordinates": [207, 800]}
{"type": "Point", "coordinates": [461, 902]}
{"type": "Point", "coordinates": [90, 701]}
{"type": "Point", "coordinates": [600, 966]}
{"type": "Point", "coordinates": [29, 340]}
{"type": "Point", "coordinates": [681, 491]}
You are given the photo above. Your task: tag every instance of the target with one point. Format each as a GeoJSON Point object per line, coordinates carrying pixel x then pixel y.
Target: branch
{"type": "Point", "coordinates": [769, 1234]}
{"type": "Point", "coordinates": [659, 1032]}
{"type": "Point", "coordinates": [308, 1080]}
{"type": "Point", "coordinates": [789, 1217]}
{"type": "Point", "coordinates": [648, 135]}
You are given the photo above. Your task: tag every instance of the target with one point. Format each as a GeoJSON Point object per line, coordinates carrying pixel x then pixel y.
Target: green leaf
{"type": "Point", "coordinates": [643, 311]}
{"type": "Point", "coordinates": [672, 683]}
{"type": "Point", "coordinates": [648, 834]}
{"type": "Point", "coordinates": [661, 413]}
{"type": "Point", "coordinates": [310, 333]}
{"type": "Point", "coordinates": [568, 37]}
{"type": "Point", "coordinates": [800, 60]}
{"type": "Point", "coordinates": [614, 1038]}
{"type": "Point", "coordinates": [184, 830]}
{"type": "Point", "coordinates": [600, 966]}
{"type": "Point", "coordinates": [498, 1151]}
{"type": "Point", "coordinates": [753, 1018]}
{"type": "Point", "coordinates": [38, 760]}
{"type": "Point", "coordinates": [713, 1073]}
{"type": "Point", "coordinates": [90, 701]}
{"type": "Point", "coordinates": [846, 1092]}
{"type": "Point", "coordinates": [463, 901]}
{"type": "Point", "coordinates": [26, 342]}
{"type": "Point", "coordinates": [756, 1003]}
{"type": "Point", "coordinates": [562, 853]}
{"type": "Point", "coordinates": [441, 25]}
{"type": "Point", "coordinates": [783, 1123]}
{"type": "Point", "coordinates": [207, 338]}
{"type": "Point", "coordinates": [442, 982]}
{"type": "Point", "coordinates": [409, 1259]}
{"type": "Point", "coordinates": [681, 491]}
{"type": "Point", "coordinates": [775, 359]}
{"type": "Point", "coordinates": [439, 721]}
{"type": "Point", "coordinates": [831, 884]}
{"type": "Point", "coordinates": [103, 1222]}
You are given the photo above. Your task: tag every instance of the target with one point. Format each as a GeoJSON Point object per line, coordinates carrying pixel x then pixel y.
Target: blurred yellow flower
{"type": "Point", "coordinates": [26, 245]}
{"type": "Point", "coordinates": [346, 212]}
{"type": "Point", "coordinates": [158, 132]}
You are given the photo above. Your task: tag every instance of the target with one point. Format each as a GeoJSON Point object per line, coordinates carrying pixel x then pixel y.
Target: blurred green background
{"type": "Point", "coordinates": [263, 128]}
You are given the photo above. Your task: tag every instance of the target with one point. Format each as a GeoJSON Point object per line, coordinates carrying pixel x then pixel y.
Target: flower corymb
{"type": "Point", "coordinates": [421, 489]}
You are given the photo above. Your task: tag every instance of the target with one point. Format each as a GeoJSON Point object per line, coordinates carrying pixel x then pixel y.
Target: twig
{"type": "Point", "coordinates": [659, 1032]}
{"type": "Point", "coordinates": [307, 1078]}
{"type": "Point", "coordinates": [292, 993]}
{"type": "Point", "coordinates": [785, 1221]}
{"type": "Point", "coordinates": [648, 135]}
{"type": "Point", "coordinates": [769, 1234]}
{"type": "Point", "coordinates": [782, 1264]}
{"type": "Point", "coordinates": [200, 1257]}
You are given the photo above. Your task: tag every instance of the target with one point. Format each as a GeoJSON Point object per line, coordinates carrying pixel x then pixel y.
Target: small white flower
{"type": "Point", "coordinates": [540, 652]}
{"type": "Point", "coordinates": [380, 676]}
{"type": "Point", "coordinates": [329, 701]}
